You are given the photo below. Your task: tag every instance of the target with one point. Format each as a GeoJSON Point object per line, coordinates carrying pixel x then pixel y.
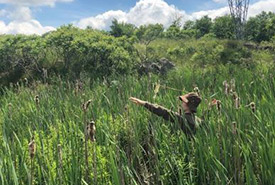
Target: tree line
{"type": "Point", "coordinates": [259, 28]}
{"type": "Point", "coordinates": [73, 52]}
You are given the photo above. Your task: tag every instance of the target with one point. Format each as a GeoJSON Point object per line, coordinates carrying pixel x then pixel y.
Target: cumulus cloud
{"type": "Point", "coordinates": [21, 19]}
{"type": "Point", "coordinates": [211, 13]}
{"type": "Point", "coordinates": [258, 7]}
{"type": "Point", "coordinates": [102, 21]}
{"type": "Point", "coordinates": [154, 11]}
{"type": "Point", "coordinates": [158, 11]}
{"type": "Point", "coordinates": [26, 27]}
{"type": "Point", "coordinates": [144, 12]}
{"type": "Point", "coordinates": [32, 2]}
{"type": "Point", "coordinates": [20, 13]}
{"type": "Point", "coordinates": [254, 9]}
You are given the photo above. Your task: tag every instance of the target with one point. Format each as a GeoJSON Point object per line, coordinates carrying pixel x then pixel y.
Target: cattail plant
{"type": "Point", "coordinates": [216, 103]}
{"type": "Point", "coordinates": [234, 95]}
{"type": "Point", "coordinates": [237, 102]}
{"type": "Point", "coordinates": [85, 107]}
{"type": "Point", "coordinates": [232, 85]}
{"type": "Point", "coordinates": [32, 149]}
{"type": "Point", "coordinates": [60, 161]}
{"type": "Point", "coordinates": [90, 134]}
{"type": "Point", "coordinates": [253, 107]}
{"type": "Point", "coordinates": [90, 131]}
{"type": "Point", "coordinates": [78, 86]}
{"type": "Point", "coordinates": [234, 127]}
{"type": "Point", "coordinates": [219, 105]}
{"type": "Point", "coordinates": [226, 87]}
{"type": "Point", "coordinates": [36, 99]}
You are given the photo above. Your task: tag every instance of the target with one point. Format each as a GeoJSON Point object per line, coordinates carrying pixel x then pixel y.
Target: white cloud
{"type": "Point", "coordinates": [144, 12]}
{"type": "Point", "coordinates": [264, 5]}
{"type": "Point", "coordinates": [211, 13]}
{"type": "Point", "coordinates": [32, 2]}
{"type": "Point", "coordinates": [158, 11]}
{"type": "Point", "coordinates": [154, 11]}
{"type": "Point", "coordinates": [20, 16]}
{"type": "Point", "coordinates": [102, 21]}
{"type": "Point", "coordinates": [26, 27]}
{"type": "Point", "coordinates": [220, 1]}
{"type": "Point", "coordinates": [20, 13]}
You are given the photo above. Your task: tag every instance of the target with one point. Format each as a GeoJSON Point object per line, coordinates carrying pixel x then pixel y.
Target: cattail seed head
{"type": "Point", "coordinates": [126, 107]}
{"type": "Point", "coordinates": [90, 131]}
{"type": "Point", "coordinates": [32, 147]}
{"type": "Point", "coordinates": [36, 99]}
{"type": "Point", "coordinates": [232, 85]}
{"type": "Point", "coordinates": [237, 102]}
{"type": "Point", "coordinates": [234, 127]}
{"type": "Point", "coordinates": [59, 149]}
{"type": "Point", "coordinates": [253, 106]}
{"type": "Point", "coordinates": [219, 105]}
{"type": "Point", "coordinates": [85, 105]}
{"type": "Point", "coordinates": [226, 87]}
{"type": "Point", "coordinates": [216, 103]}
{"type": "Point", "coordinates": [234, 95]}
{"type": "Point", "coordinates": [78, 86]}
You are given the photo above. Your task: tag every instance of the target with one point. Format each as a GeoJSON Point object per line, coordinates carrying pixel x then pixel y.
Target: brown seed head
{"type": "Point", "coordinates": [253, 106]}
{"type": "Point", "coordinates": [59, 148]}
{"type": "Point", "coordinates": [219, 105]}
{"type": "Point", "coordinates": [36, 99]}
{"type": "Point", "coordinates": [32, 147]}
{"type": "Point", "coordinates": [234, 127]}
{"type": "Point", "coordinates": [234, 95]}
{"type": "Point", "coordinates": [232, 85]}
{"type": "Point", "coordinates": [237, 102]}
{"type": "Point", "coordinates": [226, 87]}
{"type": "Point", "coordinates": [90, 131]}
{"type": "Point", "coordinates": [85, 105]}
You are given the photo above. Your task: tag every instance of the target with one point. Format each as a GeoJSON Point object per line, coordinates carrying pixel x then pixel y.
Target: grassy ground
{"type": "Point", "coordinates": [233, 146]}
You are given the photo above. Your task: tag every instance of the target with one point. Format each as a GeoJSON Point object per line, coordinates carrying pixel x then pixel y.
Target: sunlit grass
{"type": "Point", "coordinates": [233, 146]}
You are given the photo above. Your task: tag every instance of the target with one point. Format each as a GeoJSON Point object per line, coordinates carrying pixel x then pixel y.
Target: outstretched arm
{"type": "Point", "coordinates": [188, 125]}
{"type": "Point", "coordinates": [158, 110]}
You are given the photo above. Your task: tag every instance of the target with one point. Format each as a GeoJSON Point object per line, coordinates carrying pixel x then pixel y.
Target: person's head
{"type": "Point", "coordinates": [190, 102]}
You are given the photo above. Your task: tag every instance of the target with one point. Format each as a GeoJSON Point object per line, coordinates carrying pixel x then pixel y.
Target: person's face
{"type": "Point", "coordinates": [184, 102]}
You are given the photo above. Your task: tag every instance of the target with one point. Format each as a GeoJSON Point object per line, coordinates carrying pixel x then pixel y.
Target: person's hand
{"type": "Point", "coordinates": [137, 101]}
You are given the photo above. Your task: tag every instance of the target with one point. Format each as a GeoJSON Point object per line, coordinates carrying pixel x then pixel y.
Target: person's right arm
{"type": "Point", "coordinates": [186, 122]}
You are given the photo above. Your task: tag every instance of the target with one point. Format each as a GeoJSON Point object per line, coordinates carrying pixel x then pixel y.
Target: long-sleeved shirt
{"type": "Point", "coordinates": [187, 121]}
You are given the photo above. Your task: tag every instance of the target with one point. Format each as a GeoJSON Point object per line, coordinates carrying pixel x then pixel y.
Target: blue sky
{"type": "Point", "coordinates": [39, 16]}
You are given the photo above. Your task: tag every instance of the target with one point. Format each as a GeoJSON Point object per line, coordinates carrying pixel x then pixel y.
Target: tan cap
{"type": "Point", "coordinates": [192, 99]}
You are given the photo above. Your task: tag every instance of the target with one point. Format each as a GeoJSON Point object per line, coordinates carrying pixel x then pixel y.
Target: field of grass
{"type": "Point", "coordinates": [43, 131]}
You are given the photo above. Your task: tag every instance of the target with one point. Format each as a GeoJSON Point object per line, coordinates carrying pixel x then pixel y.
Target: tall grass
{"type": "Point", "coordinates": [233, 146]}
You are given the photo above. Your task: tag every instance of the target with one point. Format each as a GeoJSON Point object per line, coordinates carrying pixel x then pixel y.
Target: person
{"type": "Point", "coordinates": [187, 121]}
